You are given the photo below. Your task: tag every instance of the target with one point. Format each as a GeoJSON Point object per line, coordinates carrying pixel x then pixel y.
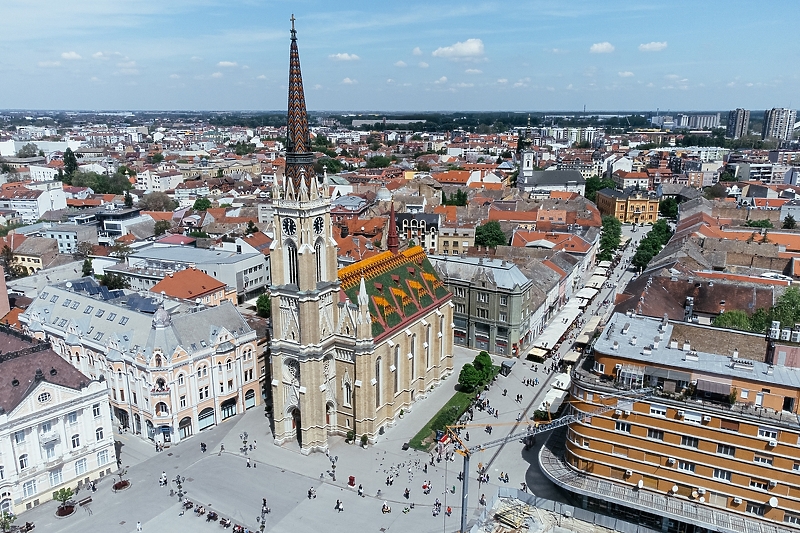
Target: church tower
{"type": "Point", "coordinates": [305, 287]}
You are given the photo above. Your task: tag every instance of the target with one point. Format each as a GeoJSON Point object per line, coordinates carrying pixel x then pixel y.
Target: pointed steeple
{"type": "Point", "coordinates": [392, 240]}
{"type": "Point", "coordinates": [298, 156]}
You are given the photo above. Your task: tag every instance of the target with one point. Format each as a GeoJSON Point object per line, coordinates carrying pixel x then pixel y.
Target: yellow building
{"type": "Point", "coordinates": [629, 206]}
{"type": "Point", "coordinates": [713, 444]}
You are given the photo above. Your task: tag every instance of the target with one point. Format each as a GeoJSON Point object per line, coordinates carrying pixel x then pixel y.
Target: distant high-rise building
{"type": "Point", "coordinates": [738, 123]}
{"type": "Point", "coordinates": [704, 122]}
{"type": "Point", "coordinates": [779, 124]}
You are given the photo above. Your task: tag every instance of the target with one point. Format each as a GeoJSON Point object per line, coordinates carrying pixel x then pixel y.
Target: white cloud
{"type": "Point", "coordinates": [473, 71]}
{"type": "Point", "coordinates": [128, 72]}
{"type": "Point", "coordinates": [348, 81]}
{"type": "Point", "coordinates": [70, 55]}
{"type": "Point", "coordinates": [558, 51]}
{"type": "Point", "coordinates": [245, 67]}
{"type": "Point", "coordinates": [502, 80]}
{"type": "Point", "coordinates": [469, 50]}
{"type": "Point", "coordinates": [672, 76]}
{"type": "Point", "coordinates": [46, 64]}
{"type": "Point", "coordinates": [227, 64]}
{"type": "Point", "coordinates": [390, 80]}
{"type": "Point", "coordinates": [653, 46]}
{"type": "Point", "coordinates": [423, 64]}
{"type": "Point", "coordinates": [569, 87]}
{"type": "Point", "coordinates": [94, 78]}
{"type": "Point", "coordinates": [174, 76]}
{"type": "Point", "coordinates": [416, 51]}
{"type": "Point", "coordinates": [344, 57]}
{"type": "Point", "coordinates": [441, 80]}
{"type": "Point", "coordinates": [217, 75]}
{"type": "Point", "coordinates": [400, 64]}
{"type": "Point", "coordinates": [317, 87]}
{"type": "Point", "coordinates": [651, 84]}
{"type": "Point", "coordinates": [127, 64]}
{"type": "Point", "coordinates": [601, 48]}
{"type": "Point", "coordinates": [465, 85]}
{"type": "Point", "coordinates": [625, 74]}
{"type": "Point", "coordinates": [732, 84]}
{"type": "Point", "coordinates": [196, 58]}
{"type": "Point", "coordinates": [262, 77]}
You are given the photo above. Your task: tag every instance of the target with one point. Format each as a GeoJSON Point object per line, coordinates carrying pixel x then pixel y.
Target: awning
{"type": "Point", "coordinates": [586, 293]}
{"type": "Point", "coordinates": [601, 271]}
{"type": "Point", "coordinates": [538, 352]}
{"type": "Point", "coordinates": [571, 357]}
{"type": "Point", "coordinates": [596, 282]}
{"type": "Point", "coordinates": [667, 374]}
{"type": "Point", "coordinates": [714, 387]}
{"type": "Point", "coordinates": [604, 264]}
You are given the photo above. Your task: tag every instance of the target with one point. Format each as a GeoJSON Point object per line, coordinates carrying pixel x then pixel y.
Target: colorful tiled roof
{"type": "Point", "coordinates": [400, 287]}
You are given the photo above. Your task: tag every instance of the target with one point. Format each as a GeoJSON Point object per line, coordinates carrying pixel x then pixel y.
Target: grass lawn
{"type": "Point", "coordinates": [459, 403]}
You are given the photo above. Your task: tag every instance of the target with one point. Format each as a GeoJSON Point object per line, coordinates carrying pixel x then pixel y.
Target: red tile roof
{"type": "Point", "coordinates": [188, 284]}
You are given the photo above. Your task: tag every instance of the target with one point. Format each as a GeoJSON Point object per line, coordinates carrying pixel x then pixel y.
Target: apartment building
{"type": "Point", "coordinates": [173, 369]}
{"type": "Point", "coordinates": [31, 204]}
{"type": "Point", "coordinates": [738, 123]}
{"type": "Point", "coordinates": [714, 443]}
{"type": "Point", "coordinates": [779, 124]}
{"type": "Point", "coordinates": [629, 206]}
{"type": "Point", "coordinates": [454, 240]}
{"type": "Point", "coordinates": [68, 236]}
{"type": "Point", "coordinates": [422, 228]}
{"type": "Point", "coordinates": [55, 424]}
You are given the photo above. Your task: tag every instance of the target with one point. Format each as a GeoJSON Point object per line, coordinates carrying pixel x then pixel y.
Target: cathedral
{"type": "Point", "coordinates": [351, 348]}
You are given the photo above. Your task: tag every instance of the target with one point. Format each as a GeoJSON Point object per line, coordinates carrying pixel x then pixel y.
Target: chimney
{"type": "Point", "coordinates": [392, 241]}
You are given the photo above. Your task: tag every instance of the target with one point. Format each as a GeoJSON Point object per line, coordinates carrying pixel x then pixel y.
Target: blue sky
{"type": "Point", "coordinates": [411, 55]}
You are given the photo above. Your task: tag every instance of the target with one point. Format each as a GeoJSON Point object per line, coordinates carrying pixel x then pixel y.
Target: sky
{"type": "Point", "coordinates": [440, 55]}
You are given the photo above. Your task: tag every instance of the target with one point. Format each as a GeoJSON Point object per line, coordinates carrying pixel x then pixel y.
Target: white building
{"type": "Point", "coordinates": [32, 204]}
{"type": "Point", "coordinates": [55, 425]}
{"type": "Point", "coordinates": [39, 173]}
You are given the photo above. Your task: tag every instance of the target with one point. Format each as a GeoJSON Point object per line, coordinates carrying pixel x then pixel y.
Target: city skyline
{"type": "Point", "coordinates": [208, 55]}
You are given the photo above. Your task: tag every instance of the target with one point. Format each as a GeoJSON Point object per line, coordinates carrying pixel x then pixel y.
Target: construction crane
{"type": "Point", "coordinates": [531, 431]}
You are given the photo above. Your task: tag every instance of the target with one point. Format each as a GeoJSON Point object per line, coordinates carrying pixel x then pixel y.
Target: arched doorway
{"type": "Point", "coordinates": [330, 416]}
{"type": "Point", "coordinates": [185, 427]}
{"type": "Point", "coordinates": [249, 399]}
{"type": "Point", "coordinates": [228, 408]}
{"type": "Point", "coordinates": [205, 419]}
{"type": "Point", "coordinates": [137, 424]}
{"type": "Point", "coordinates": [151, 430]}
{"type": "Point", "coordinates": [122, 416]}
{"type": "Point", "coordinates": [296, 425]}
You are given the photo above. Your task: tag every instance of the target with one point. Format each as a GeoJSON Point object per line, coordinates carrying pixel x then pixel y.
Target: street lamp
{"type": "Point", "coordinates": [179, 481]}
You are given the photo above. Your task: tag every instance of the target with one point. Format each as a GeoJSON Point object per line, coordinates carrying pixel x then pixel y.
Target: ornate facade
{"type": "Point", "coordinates": [350, 348]}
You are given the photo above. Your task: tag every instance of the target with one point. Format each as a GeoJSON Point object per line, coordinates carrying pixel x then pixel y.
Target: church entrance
{"type": "Point", "coordinates": [330, 416]}
{"type": "Point", "coordinates": [296, 426]}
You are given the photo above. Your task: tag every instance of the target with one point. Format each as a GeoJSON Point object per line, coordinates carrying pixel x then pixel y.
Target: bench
{"type": "Point", "coordinates": [85, 501]}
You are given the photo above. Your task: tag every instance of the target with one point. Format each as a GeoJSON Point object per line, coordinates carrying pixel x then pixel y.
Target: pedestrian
{"type": "Point", "coordinates": [248, 462]}
{"type": "Point", "coordinates": [309, 494]}
{"type": "Point", "coordinates": [138, 526]}
{"type": "Point", "coordinates": [221, 449]}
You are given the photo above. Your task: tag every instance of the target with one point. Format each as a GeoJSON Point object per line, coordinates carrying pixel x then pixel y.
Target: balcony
{"type": "Point", "coordinates": [50, 437]}
{"type": "Point", "coordinates": [159, 391]}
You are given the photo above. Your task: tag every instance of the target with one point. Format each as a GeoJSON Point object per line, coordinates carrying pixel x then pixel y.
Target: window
{"type": "Point", "coordinates": [56, 478]}
{"type": "Point", "coordinates": [348, 394]}
{"type": "Point", "coordinates": [482, 313]}
{"type": "Point", "coordinates": [19, 436]}
{"type": "Point", "coordinates": [768, 433]}
{"type": "Point", "coordinates": [88, 310]}
{"type": "Point", "coordinates": [658, 410]}
{"type": "Point", "coordinates": [96, 410]}
{"type": "Point", "coordinates": [503, 317]}
{"type": "Point", "coordinates": [724, 449]}
{"type": "Point", "coordinates": [76, 441]}
{"type": "Point", "coordinates": [686, 466]}
{"type": "Point", "coordinates": [396, 368]}
{"type": "Point", "coordinates": [99, 313]}
{"type": "Point", "coordinates": [54, 299]}
{"type": "Point", "coordinates": [98, 434]}
{"type": "Point", "coordinates": [624, 427]}
{"type": "Point", "coordinates": [724, 475]}
{"type": "Point", "coordinates": [75, 304]}
{"type": "Point", "coordinates": [504, 300]}
{"type": "Point", "coordinates": [460, 308]}
{"type": "Point", "coordinates": [599, 367]}
{"type": "Point", "coordinates": [111, 316]}
{"type": "Point", "coordinates": [221, 387]}
{"type": "Point", "coordinates": [203, 392]}
{"type": "Point", "coordinates": [80, 467]}
{"type": "Point", "coordinates": [180, 379]}
{"type": "Point", "coordinates": [378, 382]}
{"type": "Point", "coordinates": [755, 508]}
{"type": "Point", "coordinates": [98, 336]}
{"type": "Point", "coordinates": [2, 473]}
{"type": "Point", "coordinates": [228, 364]}
{"type": "Point", "coordinates": [50, 452]}
{"type": "Point", "coordinates": [795, 467]}
{"type": "Point", "coordinates": [763, 460]}
{"type": "Point", "coordinates": [691, 442]}
{"type": "Point", "coordinates": [29, 487]}
{"type": "Point", "coordinates": [23, 461]}
{"type": "Point", "coordinates": [758, 484]}
{"type": "Point", "coordinates": [102, 458]}
{"type": "Point", "coordinates": [291, 250]}
{"type": "Point", "coordinates": [460, 292]}
{"type": "Point", "coordinates": [655, 434]}
{"type": "Point", "coordinates": [123, 320]}
{"type": "Point", "coordinates": [183, 401]}
{"type": "Point", "coordinates": [483, 297]}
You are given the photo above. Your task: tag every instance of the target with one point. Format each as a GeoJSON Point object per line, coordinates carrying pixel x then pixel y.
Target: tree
{"type": "Point", "coordinates": [378, 161]}
{"type": "Point", "coordinates": [422, 166]}
{"type": "Point", "coordinates": [114, 281]}
{"type": "Point", "coordinates": [128, 199]}
{"type": "Point", "coordinates": [727, 176]}
{"type": "Point", "coordinates": [29, 150]}
{"type": "Point", "coordinates": [251, 227]}
{"type": "Point", "coordinates": [201, 204]}
{"type": "Point", "coordinates": [490, 234]}
{"type": "Point", "coordinates": [469, 377]}
{"type": "Point", "coordinates": [120, 250]}
{"type": "Point", "coordinates": [595, 184]}
{"type": "Point", "coordinates": [6, 520]}
{"type": "Point", "coordinates": [483, 364]}
{"type": "Point", "coordinates": [70, 162]}
{"type": "Point", "coordinates": [157, 201]}
{"type": "Point", "coordinates": [789, 222]}
{"type": "Point", "coordinates": [264, 305]}
{"type": "Point", "coordinates": [87, 267]}
{"type": "Point", "coordinates": [759, 224]}
{"type": "Point", "coordinates": [161, 227]}
{"type": "Point", "coordinates": [733, 319]}
{"type": "Point", "coordinates": [156, 158]}
{"type": "Point", "coordinates": [63, 495]}
{"type": "Point", "coordinates": [610, 238]}
{"type": "Point", "coordinates": [83, 250]}
{"type": "Point", "coordinates": [668, 207]}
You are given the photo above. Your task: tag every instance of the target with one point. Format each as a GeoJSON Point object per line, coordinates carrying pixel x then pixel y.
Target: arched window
{"type": "Point", "coordinates": [427, 346]}
{"type": "Point", "coordinates": [396, 368]}
{"type": "Point", "coordinates": [441, 338]}
{"type": "Point", "coordinates": [76, 441]}
{"type": "Point", "coordinates": [228, 364]}
{"type": "Point", "coordinates": [319, 254]}
{"type": "Point", "coordinates": [348, 394]}
{"type": "Point", "coordinates": [162, 409]}
{"type": "Point", "coordinates": [98, 433]}
{"type": "Point", "coordinates": [180, 379]}
{"type": "Point", "coordinates": [158, 361]}
{"type": "Point", "coordinates": [378, 383]}
{"type": "Point", "coordinates": [413, 356]}
{"type": "Point", "coordinates": [291, 254]}
{"type": "Point", "coordinates": [23, 461]}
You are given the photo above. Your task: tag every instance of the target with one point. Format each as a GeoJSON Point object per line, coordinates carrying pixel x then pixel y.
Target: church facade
{"type": "Point", "coordinates": [351, 348]}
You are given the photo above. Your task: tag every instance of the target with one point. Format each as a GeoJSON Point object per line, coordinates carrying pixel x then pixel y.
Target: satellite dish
{"type": "Point", "coordinates": [674, 489]}
{"type": "Point", "coordinates": [640, 484]}
{"type": "Point", "coordinates": [702, 499]}
{"type": "Point", "coordinates": [69, 284]}
{"type": "Point", "coordinates": [773, 502]}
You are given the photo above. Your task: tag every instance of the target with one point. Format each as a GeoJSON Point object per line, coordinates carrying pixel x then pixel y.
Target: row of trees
{"type": "Point", "coordinates": [786, 311]}
{"type": "Point", "coordinates": [610, 238]}
{"type": "Point", "coordinates": [595, 184]}
{"type": "Point", "coordinates": [651, 244]}
{"type": "Point", "coordinates": [457, 198]}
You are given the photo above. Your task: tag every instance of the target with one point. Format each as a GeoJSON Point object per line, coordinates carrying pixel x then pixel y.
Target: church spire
{"type": "Point", "coordinates": [392, 241]}
{"type": "Point", "coordinates": [299, 160]}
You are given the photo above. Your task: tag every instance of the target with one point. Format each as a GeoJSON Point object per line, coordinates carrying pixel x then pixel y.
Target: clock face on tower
{"type": "Point", "coordinates": [319, 225]}
{"type": "Point", "coordinates": [289, 227]}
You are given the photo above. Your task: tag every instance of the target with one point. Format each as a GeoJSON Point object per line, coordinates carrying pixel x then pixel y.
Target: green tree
{"type": "Point", "coordinates": [198, 234]}
{"type": "Point", "coordinates": [70, 162]}
{"type": "Point", "coordinates": [483, 364]}
{"type": "Point", "coordinates": [156, 158]}
{"type": "Point", "coordinates": [201, 204]}
{"type": "Point", "coordinates": [161, 227]}
{"type": "Point", "coordinates": [157, 201]}
{"type": "Point", "coordinates": [378, 161]}
{"type": "Point", "coordinates": [610, 238]}
{"type": "Point", "coordinates": [28, 150]}
{"type": "Point", "coordinates": [490, 234]}
{"type": "Point", "coordinates": [83, 250]}
{"type": "Point", "coordinates": [264, 305]}
{"type": "Point", "coordinates": [87, 267]}
{"type": "Point", "coordinates": [6, 520]}
{"type": "Point", "coordinates": [114, 281]}
{"type": "Point", "coordinates": [120, 250]}
{"type": "Point", "coordinates": [733, 319]}
{"type": "Point", "coordinates": [668, 207]}
{"type": "Point", "coordinates": [63, 495]}
{"type": "Point", "coordinates": [789, 222]}
{"type": "Point", "coordinates": [251, 227]}
{"type": "Point", "coordinates": [422, 166]}
{"type": "Point", "coordinates": [595, 184]}
{"type": "Point", "coordinates": [128, 199]}
{"type": "Point", "coordinates": [727, 176]}
{"type": "Point", "coordinates": [759, 224]}
{"type": "Point", "coordinates": [469, 377]}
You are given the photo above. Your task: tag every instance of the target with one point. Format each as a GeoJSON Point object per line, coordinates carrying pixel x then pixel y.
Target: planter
{"type": "Point", "coordinates": [65, 511]}
{"type": "Point", "coordinates": [121, 485]}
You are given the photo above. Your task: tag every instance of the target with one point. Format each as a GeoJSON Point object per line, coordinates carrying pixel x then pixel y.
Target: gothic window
{"type": "Point", "coordinates": [413, 356]}
{"type": "Point", "coordinates": [158, 361]}
{"type": "Point", "coordinates": [441, 339]}
{"type": "Point", "coordinates": [396, 368]}
{"type": "Point", "coordinates": [319, 254]}
{"type": "Point", "coordinates": [427, 346]}
{"type": "Point", "coordinates": [291, 254]}
{"type": "Point", "coordinates": [378, 383]}
{"type": "Point", "coordinates": [348, 394]}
